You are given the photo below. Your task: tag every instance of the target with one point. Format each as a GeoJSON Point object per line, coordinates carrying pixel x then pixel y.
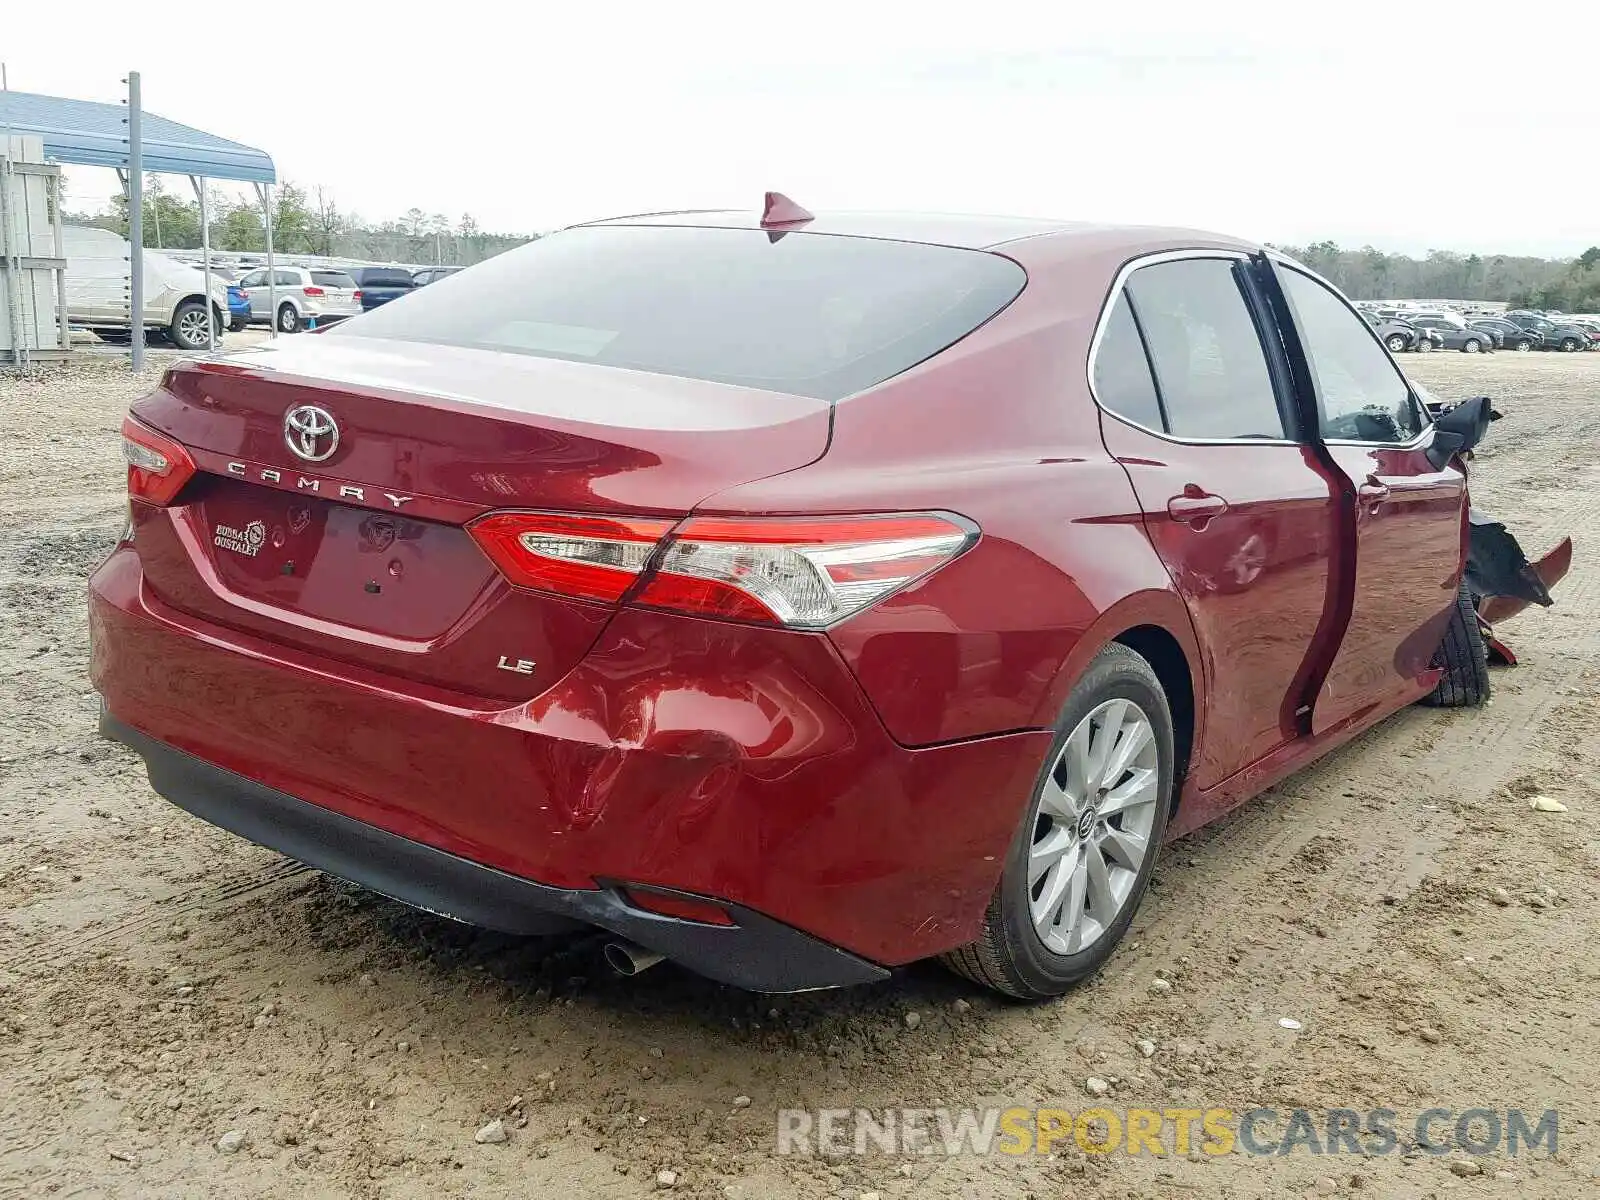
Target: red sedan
{"type": "Point", "coordinates": [792, 597]}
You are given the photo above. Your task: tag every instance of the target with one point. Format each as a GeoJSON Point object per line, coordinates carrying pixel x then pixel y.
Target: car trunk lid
{"type": "Point", "coordinates": [362, 554]}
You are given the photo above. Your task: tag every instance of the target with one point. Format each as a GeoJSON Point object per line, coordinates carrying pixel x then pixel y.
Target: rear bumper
{"type": "Point", "coordinates": [715, 760]}
{"type": "Point", "coordinates": [755, 952]}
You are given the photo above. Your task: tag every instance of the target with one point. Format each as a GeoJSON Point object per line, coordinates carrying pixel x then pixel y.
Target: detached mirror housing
{"type": "Point", "coordinates": [1444, 447]}
{"type": "Point", "coordinates": [1459, 429]}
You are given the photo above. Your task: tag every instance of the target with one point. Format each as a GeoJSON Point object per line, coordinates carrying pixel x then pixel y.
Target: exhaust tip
{"type": "Point", "coordinates": [628, 960]}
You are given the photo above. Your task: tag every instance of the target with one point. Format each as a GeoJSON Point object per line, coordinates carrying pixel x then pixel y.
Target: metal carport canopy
{"type": "Point", "coordinates": [88, 133]}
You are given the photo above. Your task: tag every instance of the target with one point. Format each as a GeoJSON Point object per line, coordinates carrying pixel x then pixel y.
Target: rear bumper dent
{"type": "Point", "coordinates": [756, 952]}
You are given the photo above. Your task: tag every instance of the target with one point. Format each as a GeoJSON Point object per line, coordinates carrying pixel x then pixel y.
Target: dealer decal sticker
{"type": "Point", "coordinates": [246, 541]}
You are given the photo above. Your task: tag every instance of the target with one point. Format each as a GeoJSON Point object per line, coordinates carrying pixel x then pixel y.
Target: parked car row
{"type": "Point", "coordinates": [1522, 330]}
{"type": "Point", "coordinates": [298, 297]}
{"type": "Point", "coordinates": [1403, 336]}
{"type": "Point", "coordinates": [310, 296]}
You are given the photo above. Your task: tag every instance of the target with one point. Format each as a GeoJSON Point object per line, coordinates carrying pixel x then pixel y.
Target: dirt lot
{"type": "Point", "coordinates": [163, 983]}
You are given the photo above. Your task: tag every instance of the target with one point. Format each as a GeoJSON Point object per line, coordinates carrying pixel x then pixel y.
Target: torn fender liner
{"type": "Point", "coordinates": [1500, 574]}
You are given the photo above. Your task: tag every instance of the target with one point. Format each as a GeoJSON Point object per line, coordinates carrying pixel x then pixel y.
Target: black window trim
{"type": "Point", "coordinates": [1239, 258]}
{"type": "Point", "coordinates": [1282, 262]}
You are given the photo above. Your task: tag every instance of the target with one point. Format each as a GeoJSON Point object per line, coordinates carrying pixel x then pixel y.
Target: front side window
{"type": "Point", "coordinates": [254, 279]}
{"type": "Point", "coordinates": [1361, 394]}
{"type": "Point", "coordinates": [1210, 369]}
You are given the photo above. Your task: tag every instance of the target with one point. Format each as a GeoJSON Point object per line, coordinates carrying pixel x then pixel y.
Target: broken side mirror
{"type": "Point", "coordinates": [1458, 430]}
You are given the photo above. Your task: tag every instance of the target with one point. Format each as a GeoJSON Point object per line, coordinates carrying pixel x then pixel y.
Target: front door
{"type": "Point", "coordinates": [1242, 514]}
{"type": "Point", "coordinates": [1409, 516]}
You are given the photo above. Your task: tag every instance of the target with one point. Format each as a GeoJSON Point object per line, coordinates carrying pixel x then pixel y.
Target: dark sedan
{"type": "Point", "coordinates": [1399, 336]}
{"type": "Point", "coordinates": [1456, 337]}
{"type": "Point", "coordinates": [1558, 335]}
{"type": "Point", "coordinates": [1508, 334]}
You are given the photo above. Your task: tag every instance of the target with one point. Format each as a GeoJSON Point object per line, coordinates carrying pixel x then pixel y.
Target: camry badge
{"type": "Point", "coordinates": [310, 432]}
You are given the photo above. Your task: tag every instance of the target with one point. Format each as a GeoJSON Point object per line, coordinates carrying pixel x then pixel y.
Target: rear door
{"type": "Point", "coordinates": [1409, 515]}
{"type": "Point", "coordinates": [1242, 515]}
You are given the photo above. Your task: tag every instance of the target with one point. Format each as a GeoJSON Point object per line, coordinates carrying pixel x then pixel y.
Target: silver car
{"type": "Point", "coordinates": [305, 295]}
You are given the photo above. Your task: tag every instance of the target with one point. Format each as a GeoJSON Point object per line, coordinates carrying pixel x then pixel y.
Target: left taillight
{"type": "Point", "coordinates": [158, 467]}
{"type": "Point", "coordinates": [797, 572]}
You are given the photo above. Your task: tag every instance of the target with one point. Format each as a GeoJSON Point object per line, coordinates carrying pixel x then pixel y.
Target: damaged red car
{"type": "Point", "coordinates": [794, 597]}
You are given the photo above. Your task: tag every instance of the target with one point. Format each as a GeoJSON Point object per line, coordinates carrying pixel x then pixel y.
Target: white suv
{"type": "Point", "coordinates": [304, 295]}
{"type": "Point", "coordinates": [174, 292]}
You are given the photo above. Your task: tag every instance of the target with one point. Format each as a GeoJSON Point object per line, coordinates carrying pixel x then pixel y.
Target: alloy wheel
{"type": "Point", "coordinates": [192, 327]}
{"type": "Point", "coordinates": [1092, 826]}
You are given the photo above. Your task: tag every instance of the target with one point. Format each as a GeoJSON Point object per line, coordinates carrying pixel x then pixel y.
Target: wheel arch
{"type": "Point", "coordinates": [1156, 626]}
{"type": "Point", "coordinates": [1165, 654]}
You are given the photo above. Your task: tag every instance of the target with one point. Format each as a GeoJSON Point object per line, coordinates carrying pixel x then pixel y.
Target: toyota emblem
{"type": "Point", "coordinates": [310, 432]}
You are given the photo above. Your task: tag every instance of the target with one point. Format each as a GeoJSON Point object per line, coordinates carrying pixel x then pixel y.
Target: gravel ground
{"type": "Point", "coordinates": [183, 1014]}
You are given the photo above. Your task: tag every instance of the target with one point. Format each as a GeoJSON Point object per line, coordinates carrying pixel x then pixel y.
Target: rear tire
{"type": "Point", "coordinates": [1120, 696]}
{"type": "Point", "coordinates": [1464, 657]}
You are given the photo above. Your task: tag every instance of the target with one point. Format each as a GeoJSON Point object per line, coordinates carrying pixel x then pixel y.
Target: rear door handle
{"type": "Point", "coordinates": [1196, 506]}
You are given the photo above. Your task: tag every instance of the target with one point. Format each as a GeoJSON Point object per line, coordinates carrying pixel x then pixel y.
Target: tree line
{"type": "Point", "coordinates": [304, 221]}
{"type": "Point", "coordinates": [1569, 285]}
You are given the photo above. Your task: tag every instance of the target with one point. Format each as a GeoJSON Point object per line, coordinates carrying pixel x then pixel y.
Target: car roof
{"type": "Point", "coordinates": [967, 231]}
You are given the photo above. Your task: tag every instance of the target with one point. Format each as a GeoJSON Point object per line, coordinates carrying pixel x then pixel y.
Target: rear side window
{"type": "Point", "coordinates": [1360, 391]}
{"type": "Point", "coordinates": [1210, 368]}
{"type": "Point", "coordinates": [337, 279]}
{"type": "Point", "coordinates": [1122, 381]}
{"type": "Point", "coordinates": [812, 314]}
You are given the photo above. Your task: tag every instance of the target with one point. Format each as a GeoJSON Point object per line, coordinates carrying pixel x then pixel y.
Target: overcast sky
{"type": "Point", "coordinates": [1408, 125]}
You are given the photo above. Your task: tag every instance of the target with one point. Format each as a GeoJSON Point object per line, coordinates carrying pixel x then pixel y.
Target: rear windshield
{"type": "Point", "coordinates": [332, 279]}
{"type": "Point", "coordinates": [811, 314]}
{"type": "Point", "coordinates": [386, 277]}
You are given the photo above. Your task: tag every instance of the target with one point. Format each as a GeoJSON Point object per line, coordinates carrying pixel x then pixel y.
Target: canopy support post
{"type": "Point", "coordinates": [264, 190]}
{"type": "Point", "coordinates": [199, 185]}
{"type": "Point", "coordinates": [135, 225]}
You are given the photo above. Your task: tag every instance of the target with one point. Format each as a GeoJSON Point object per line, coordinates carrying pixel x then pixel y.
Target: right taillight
{"type": "Point", "coordinates": [158, 467]}
{"type": "Point", "coordinates": [799, 572]}
{"type": "Point", "coordinates": [590, 558]}
{"type": "Point", "coordinates": [805, 573]}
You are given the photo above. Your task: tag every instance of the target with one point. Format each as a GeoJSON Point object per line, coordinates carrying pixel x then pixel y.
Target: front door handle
{"type": "Point", "coordinates": [1196, 506]}
{"type": "Point", "coordinates": [1373, 491]}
